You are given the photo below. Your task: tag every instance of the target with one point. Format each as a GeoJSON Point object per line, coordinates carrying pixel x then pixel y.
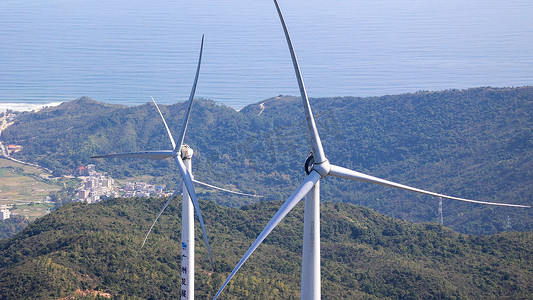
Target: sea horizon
{"type": "Point", "coordinates": [123, 52]}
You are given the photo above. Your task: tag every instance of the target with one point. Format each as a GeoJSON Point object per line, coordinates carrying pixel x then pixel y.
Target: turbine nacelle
{"type": "Point", "coordinates": [186, 152]}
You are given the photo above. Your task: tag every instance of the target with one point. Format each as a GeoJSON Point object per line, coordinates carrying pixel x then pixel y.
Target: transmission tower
{"type": "Point", "coordinates": [441, 219]}
{"type": "Point", "coordinates": [508, 226]}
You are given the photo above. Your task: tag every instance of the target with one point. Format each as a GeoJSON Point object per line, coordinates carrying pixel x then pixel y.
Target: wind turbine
{"type": "Point", "coordinates": [317, 166]}
{"type": "Point", "coordinates": [187, 233]}
{"type": "Point", "coordinates": [186, 161]}
{"type": "Point", "coordinates": [182, 154]}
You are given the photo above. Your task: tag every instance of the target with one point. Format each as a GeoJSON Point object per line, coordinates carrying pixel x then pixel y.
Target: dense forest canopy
{"type": "Point", "coordinates": [365, 255]}
{"type": "Point", "coordinates": [475, 143]}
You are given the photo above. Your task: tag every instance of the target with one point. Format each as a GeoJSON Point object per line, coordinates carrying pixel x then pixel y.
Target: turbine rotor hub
{"type": "Point", "coordinates": [322, 168]}
{"type": "Point", "coordinates": [309, 164]}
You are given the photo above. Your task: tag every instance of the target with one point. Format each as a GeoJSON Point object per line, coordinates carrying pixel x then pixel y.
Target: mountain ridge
{"type": "Point", "coordinates": [473, 143]}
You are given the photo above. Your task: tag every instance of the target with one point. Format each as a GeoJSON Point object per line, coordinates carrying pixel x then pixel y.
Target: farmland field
{"type": "Point", "coordinates": [22, 185]}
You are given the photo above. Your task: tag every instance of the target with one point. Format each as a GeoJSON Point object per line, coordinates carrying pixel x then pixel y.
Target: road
{"type": "Point", "coordinates": [3, 149]}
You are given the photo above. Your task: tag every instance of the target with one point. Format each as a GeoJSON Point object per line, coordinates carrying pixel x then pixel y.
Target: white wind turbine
{"type": "Point", "coordinates": [182, 154]}
{"type": "Point", "coordinates": [187, 162]}
{"type": "Point", "coordinates": [317, 166]}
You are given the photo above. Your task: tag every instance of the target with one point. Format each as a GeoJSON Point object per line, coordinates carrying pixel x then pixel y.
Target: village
{"type": "Point", "coordinates": [97, 187]}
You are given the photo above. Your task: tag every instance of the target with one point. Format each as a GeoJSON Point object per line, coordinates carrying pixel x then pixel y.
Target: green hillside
{"type": "Point", "coordinates": [365, 255]}
{"type": "Point", "coordinates": [475, 143]}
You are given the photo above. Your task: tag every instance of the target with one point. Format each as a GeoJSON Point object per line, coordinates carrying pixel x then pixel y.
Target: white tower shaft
{"type": "Point", "coordinates": [187, 242]}
{"type": "Point", "coordinates": [310, 288]}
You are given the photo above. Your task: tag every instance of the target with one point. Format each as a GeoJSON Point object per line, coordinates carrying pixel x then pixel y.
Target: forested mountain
{"type": "Point", "coordinates": [365, 255]}
{"type": "Point", "coordinates": [475, 143]}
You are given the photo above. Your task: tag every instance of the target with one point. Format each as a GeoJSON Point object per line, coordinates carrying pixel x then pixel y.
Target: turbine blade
{"type": "Point", "coordinates": [162, 210]}
{"type": "Point", "coordinates": [318, 151]}
{"type": "Point", "coordinates": [187, 180]}
{"type": "Point", "coordinates": [304, 188]}
{"type": "Point", "coordinates": [165, 122]}
{"type": "Point", "coordinates": [354, 175]}
{"type": "Point", "coordinates": [181, 137]}
{"type": "Point", "coordinates": [157, 155]}
{"type": "Point", "coordinates": [221, 189]}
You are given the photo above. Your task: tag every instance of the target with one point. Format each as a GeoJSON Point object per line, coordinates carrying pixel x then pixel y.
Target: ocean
{"type": "Point", "coordinates": [118, 51]}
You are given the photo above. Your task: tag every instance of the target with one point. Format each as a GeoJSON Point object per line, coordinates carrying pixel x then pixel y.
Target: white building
{"type": "Point", "coordinates": [108, 183]}
{"type": "Point", "coordinates": [91, 169]}
{"type": "Point", "coordinates": [142, 194]}
{"type": "Point", "coordinates": [82, 194]}
{"type": "Point", "coordinates": [6, 214]}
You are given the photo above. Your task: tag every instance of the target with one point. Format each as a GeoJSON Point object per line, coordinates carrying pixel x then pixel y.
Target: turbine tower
{"type": "Point", "coordinates": [317, 166]}
{"type": "Point", "coordinates": [182, 154]}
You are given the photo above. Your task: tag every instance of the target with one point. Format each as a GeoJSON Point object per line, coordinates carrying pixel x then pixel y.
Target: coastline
{"type": "Point", "coordinates": [26, 106]}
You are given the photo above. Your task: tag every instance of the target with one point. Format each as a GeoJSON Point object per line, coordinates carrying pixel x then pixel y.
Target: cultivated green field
{"type": "Point", "coordinates": [21, 185]}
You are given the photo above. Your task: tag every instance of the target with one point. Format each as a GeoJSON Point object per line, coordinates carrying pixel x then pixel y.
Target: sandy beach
{"type": "Point", "coordinates": [25, 106]}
